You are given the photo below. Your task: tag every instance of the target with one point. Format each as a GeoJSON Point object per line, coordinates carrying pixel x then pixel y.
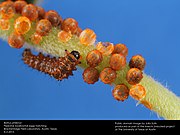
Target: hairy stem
{"type": "Point", "coordinates": [162, 100]}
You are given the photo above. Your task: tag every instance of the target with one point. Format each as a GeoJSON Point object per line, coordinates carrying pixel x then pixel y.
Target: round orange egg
{"type": "Point", "coordinates": [87, 37]}
{"type": "Point", "coordinates": [138, 92]}
{"type": "Point", "coordinates": [120, 49]}
{"type": "Point", "coordinates": [43, 27]}
{"type": "Point", "coordinates": [70, 25]}
{"type": "Point", "coordinates": [94, 58]}
{"type": "Point", "coordinates": [19, 5]}
{"type": "Point", "coordinates": [137, 61]}
{"type": "Point", "coordinates": [106, 48]}
{"type": "Point", "coordinates": [108, 75]}
{"type": "Point", "coordinates": [7, 10]}
{"type": "Point", "coordinates": [30, 11]}
{"type": "Point", "coordinates": [22, 25]}
{"type": "Point", "coordinates": [53, 17]}
{"type": "Point", "coordinates": [90, 75]}
{"type": "Point", "coordinates": [134, 76]}
{"type": "Point", "coordinates": [64, 36]}
{"type": "Point", "coordinates": [120, 92]}
{"type": "Point", "coordinates": [117, 61]}
{"type": "Point", "coordinates": [16, 41]}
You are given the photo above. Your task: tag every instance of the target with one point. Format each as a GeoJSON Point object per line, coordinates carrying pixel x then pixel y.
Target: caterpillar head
{"type": "Point", "coordinates": [76, 54]}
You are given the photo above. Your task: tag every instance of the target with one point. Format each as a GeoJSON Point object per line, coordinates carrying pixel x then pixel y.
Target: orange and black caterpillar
{"type": "Point", "coordinates": [59, 68]}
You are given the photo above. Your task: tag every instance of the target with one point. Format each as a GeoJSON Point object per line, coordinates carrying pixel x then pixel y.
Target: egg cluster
{"type": "Point", "coordinates": [46, 20]}
{"type": "Point", "coordinates": [117, 61]}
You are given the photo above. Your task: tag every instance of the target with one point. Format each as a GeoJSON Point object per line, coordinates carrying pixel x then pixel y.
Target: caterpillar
{"type": "Point", "coordinates": [59, 68]}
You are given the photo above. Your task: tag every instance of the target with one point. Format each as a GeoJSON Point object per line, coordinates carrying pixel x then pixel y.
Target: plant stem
{"type": "Point", "coordinates": [163, 101]}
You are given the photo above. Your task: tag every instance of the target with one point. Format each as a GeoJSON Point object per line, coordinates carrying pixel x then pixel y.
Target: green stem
{"type": "Point", "coordinates": [163, 101]}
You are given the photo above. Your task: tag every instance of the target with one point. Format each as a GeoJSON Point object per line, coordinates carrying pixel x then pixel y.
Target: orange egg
{"type": "Point", "coordinates": [64, 36]}
{"type": "Point", "coordinates": [137, 61]}
{"type": "Point", "coordinates": [87, 37]}
{"type": "Point", "coordinates": [70, 25]}
{"type": "Point", "coordinates": [117, 61]}
{"type": "Point", "coordinates": [138, 92]}
{"type": "Point", "coordinates": [90, 75]}
{"type": "Point", "coordinates": [108, 75]}
{"type": "Point", "coordinates": [120, 92]}
{"type": "Point", "coordinates": [94, 58]}
{"type": "Point", "coordinates": [134, 76]}
{"type": "Point", "coordinates": [7, 10]}
{"type": "Point", "coordinates": [22, 25]}
{"type": "Point", "coordinates": [121, 49]}
{"type": "Point", "coordinates": [53, 17]}
{"type": "Point", "coordinates": [43, 27]}
{"type": "Point", "coordinates": [16, 40]}
{"type": "Point", "coordinates": [105, 48]}
{"type": "Point", "coordinates": [19, 5]}
{"type": "Point", "coordinates": [30, 11]}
